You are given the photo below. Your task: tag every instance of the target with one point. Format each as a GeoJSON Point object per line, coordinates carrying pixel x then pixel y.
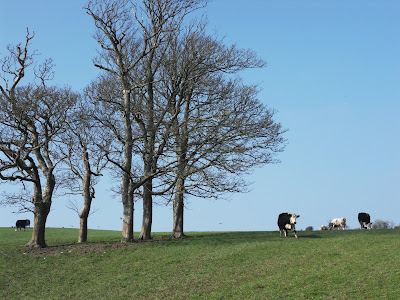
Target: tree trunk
{"type": "Point", "coordinates": [127, 222]}
{"type": "Point", "coordinates": [87, 199]}
{"type": "Point", "coordinates": [42, 204]}
{"type": "Point", "coordinates": [126, 184]}
{"type": "Point", "coordinates": [83, 218]}
{"type": "Point", "coordinates": [83, 221]}
{"type": "Point", "coordinates": [181, 146]}
{"type": "Point", "coordinates": [39, 226]}
{"type": "Point", "coordinates": [145, 233]}
{"type": "Point", "coordinates": [177, 230]}
{"type": "Point", "coordinates": [127, 218]}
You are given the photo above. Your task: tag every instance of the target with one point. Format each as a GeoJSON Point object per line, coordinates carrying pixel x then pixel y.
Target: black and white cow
{"type": "Point", "coordinates": [337, 222]}
{"type": "Point", "coordinates": [287, 222]}
{"type": "Point", "coordinates": [364, 219]}
{"type": "Point", "coordinates": [22, 224]}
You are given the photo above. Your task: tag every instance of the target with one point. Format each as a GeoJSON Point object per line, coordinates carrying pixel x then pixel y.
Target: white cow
{"type": "Point", "coordinates": [323, 227]}
{"type": "Point", "coordinates": [337, 222]}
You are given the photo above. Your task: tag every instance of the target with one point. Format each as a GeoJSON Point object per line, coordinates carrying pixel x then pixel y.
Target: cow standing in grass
{"type": "Point", "coordinates": [287, 222]}
{"type": "Point", "coordinates": [338, 222]}
{"type": "Point", "coordinates": [364, 219]}
{"type": "Point", "coordinates": [22, 224]}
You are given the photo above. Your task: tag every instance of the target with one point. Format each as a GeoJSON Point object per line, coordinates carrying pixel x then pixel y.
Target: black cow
{"type": "Point", "coordinates": [287, 222]}
{"type": "Point", "coordinates": [22, 224]}
{"type": "Point", "coordinates": [364, 219]}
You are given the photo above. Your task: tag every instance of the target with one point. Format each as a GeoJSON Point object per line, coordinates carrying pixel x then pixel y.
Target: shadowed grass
{"type": "Point", "coordinates": [228, 265]}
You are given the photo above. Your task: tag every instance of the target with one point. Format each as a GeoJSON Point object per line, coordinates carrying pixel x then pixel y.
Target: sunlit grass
{"type": "Point", "coordinates": [229, 265]}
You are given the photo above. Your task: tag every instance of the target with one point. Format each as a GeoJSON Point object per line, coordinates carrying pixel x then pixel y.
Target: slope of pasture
{"type": "Point", "coordinates": [346, 264]}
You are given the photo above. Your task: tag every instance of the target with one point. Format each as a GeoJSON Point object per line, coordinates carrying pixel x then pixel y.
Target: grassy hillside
{"type": "Point", "coordinates": [348, 264]}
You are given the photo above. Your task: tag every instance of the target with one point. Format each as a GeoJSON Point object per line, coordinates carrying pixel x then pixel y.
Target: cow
{"type": "Point", "coordinates": [22, 224]}
{"type": "Point", "coordinates": [323, 227]}
{"type": "Point", "coordinates": [364, 219]}
{"type": "Point", "coordinates": [287, 222]}
{"type": "Point", "coordinates": [338, 222]}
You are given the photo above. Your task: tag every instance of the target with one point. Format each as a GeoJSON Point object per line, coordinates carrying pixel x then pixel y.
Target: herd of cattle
{"type": "Point", "coordinates": [287, 221]}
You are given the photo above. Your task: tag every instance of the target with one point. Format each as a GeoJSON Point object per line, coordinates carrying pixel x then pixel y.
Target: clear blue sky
{"type": "Point", "coordinates": [333, 76]}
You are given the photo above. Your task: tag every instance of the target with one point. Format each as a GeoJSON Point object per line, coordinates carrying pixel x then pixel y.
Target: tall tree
{"type": "Point", "coordinates": [164, 19]}
{"type": "Point", "coordinates": [132, 38]}
{"type": "Point", "coordinates": [31, 118]}
{"type": "Point", "coordinates": [122, 50]}
{"type": "Point", "coordinates": [222, 130]}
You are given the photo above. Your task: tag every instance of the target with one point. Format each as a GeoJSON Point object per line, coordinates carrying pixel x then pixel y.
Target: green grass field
{"type": "Point", "coordinates": [350, 264]}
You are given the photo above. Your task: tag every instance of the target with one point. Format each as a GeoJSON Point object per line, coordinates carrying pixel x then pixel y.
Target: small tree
{"type": "Point", "coordinates": [85, 159]}
{"type": "Point", "coordinates": [381, 224]}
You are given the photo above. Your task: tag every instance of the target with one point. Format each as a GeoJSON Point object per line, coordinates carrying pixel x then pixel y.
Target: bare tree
{"type": "Point", "coordinates": [164, 19]}
{"type": "Point", "coordinates": [122, 50]}
{"type": "Point", "coordinates": [222, 130]}
{"type": "Point", "coordinates": [381, 224]}
{"type": "Point", "coordinates": [85, 160]}
{"type": "Point", "coordinates": [31, 118]}
{"type": "Point", "coordinates": [132, 38]}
